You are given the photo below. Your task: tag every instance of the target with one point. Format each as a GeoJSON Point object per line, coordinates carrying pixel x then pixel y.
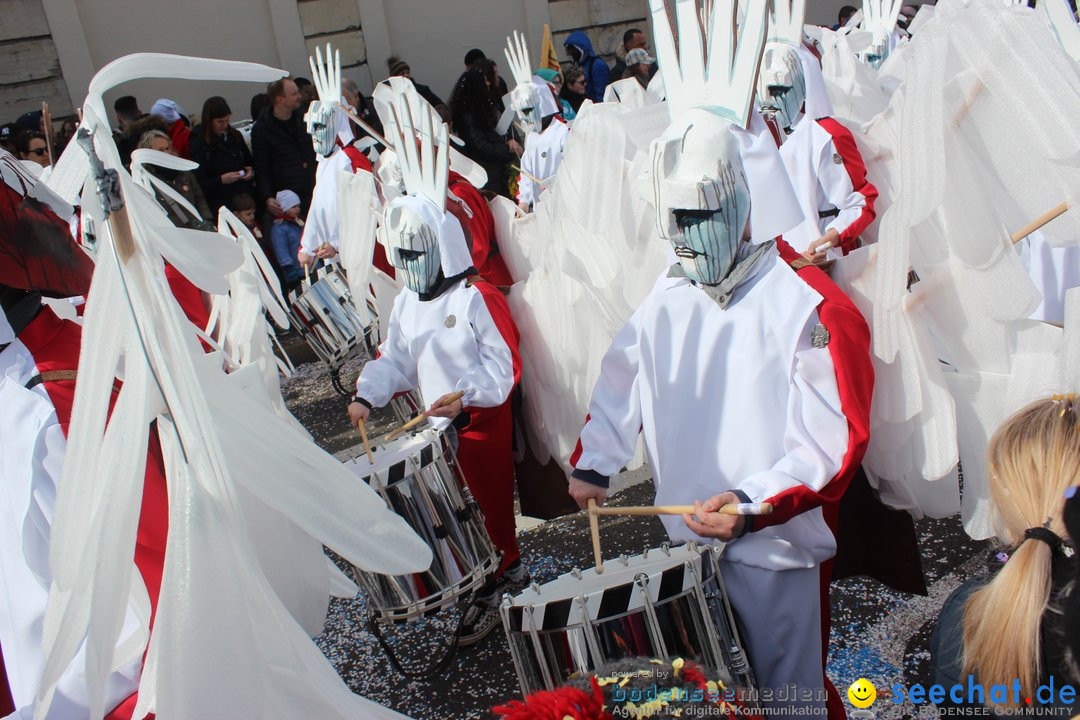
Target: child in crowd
{"type": "Point", "coordinates": [285, 236]}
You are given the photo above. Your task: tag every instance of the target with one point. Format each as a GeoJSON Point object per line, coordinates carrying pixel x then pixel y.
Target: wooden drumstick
{"type": "Point", "coordinates": [1038, 222]}
{"type": "Point", "coordinates": [530, 176]}
{"type": "Point", "coordinates": [423, 416]}
{"type": "Point", "coordinates": [729, 509]}
{"type": "Point", "coordinates": [363, 436]}
{"type": "Point", "coordinates": [594, 530]}
{"type": "Point", "coordinates": [307, 273]}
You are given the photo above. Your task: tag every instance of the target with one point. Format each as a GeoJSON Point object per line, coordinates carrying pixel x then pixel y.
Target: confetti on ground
{"type": "Point", "coordinates": [877, 633]}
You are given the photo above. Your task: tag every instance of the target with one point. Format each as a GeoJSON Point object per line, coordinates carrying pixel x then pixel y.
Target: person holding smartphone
{"type": "Point", "coordinates": [225, 162]}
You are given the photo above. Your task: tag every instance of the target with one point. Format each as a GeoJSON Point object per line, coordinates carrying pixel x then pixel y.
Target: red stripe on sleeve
{"type": "Point", "coordinates": [849, 347]}
{"type": "Point", "coordinates": [856, 170]}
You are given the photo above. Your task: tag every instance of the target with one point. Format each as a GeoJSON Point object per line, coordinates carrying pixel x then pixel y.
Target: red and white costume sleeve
{"type": "Point", "coordinates": [35, 409]}
{"type": "Point", "coordinates": [541, 159]}
{"type": "Point", "coordinates": [829, 177]}
{"type": "Point", "coordinates": [756, 398]}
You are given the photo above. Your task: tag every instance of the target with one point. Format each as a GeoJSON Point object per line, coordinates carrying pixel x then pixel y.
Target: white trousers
{"type": "Point", "coordinates": [780, 626]}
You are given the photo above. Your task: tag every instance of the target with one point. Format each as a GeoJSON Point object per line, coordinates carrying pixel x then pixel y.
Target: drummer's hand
{"type": "Point", "coordinates": [304, 258]}
{"type": "Point", "coordinates": [450, 410]}
{"type": "Point", "coordinates": [712, 523]}
{"type": "Point", "coordinates": [818, 249]}
{"type": "Point", "coordinates": [582, 491]}
{"type": "Point", "coordinates": [358, 412]}
{"type": "Point", "coordinates": [326, 251]}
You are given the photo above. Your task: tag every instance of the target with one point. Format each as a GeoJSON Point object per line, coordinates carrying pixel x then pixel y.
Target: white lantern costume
{"type": "Point", "coordinates": [822, 160]}
{"type": "Point", "coordinates": [532, 100]}
{"type": "Point", "coordinates": [446, 332]}
{"type": "Point", "coordinates": [225, 642]}
{"type": "Point", "coordinates": [739, 373]}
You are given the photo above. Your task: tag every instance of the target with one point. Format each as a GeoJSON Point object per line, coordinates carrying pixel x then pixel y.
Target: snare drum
{"type": "Point", "coordinates": [324, 313]}
{"type": "Point", "coordinates": [665, 603]}
{"type": "Point", "coordinates": [417, 475]}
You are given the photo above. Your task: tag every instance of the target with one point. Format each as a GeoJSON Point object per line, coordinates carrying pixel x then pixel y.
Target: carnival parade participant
{"type": "Point", "coordinates": [764, 372]}
{"type": "Point", "coordinates": [537, 113]}
{"type": "Point", "coordinates": [448, 333]}
{"type": "Point", "coordinates": [39, 357]}
{"type": "Point", "coordinates": [822, 160]}
{"type": "Point", "coordinates": [332, 136]}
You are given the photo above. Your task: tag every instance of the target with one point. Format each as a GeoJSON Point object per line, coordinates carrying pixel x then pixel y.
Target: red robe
{"type": "Point", "coordinates": [54, 345]}
{"type": "Point", "coordinates": [479, 231]}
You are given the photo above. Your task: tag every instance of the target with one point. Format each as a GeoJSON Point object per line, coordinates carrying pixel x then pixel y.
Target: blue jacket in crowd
{"type": "Point", "coordinates": [596, 70]}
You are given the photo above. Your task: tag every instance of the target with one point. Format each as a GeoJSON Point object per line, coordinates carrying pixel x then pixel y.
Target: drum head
{"type": "Point", "coordinates": [422, 447]}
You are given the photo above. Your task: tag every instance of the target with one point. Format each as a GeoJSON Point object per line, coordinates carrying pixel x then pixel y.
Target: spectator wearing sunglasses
{"type": "Point", "coordinates": [31, 146]}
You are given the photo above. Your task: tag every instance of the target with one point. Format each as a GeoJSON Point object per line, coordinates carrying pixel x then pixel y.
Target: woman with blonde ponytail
{"type": "Point", "coordinates": [1009, 625]}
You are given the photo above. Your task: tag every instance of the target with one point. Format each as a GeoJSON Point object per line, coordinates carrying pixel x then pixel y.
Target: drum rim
{"type": "Point", "coordinates": [590, 583]}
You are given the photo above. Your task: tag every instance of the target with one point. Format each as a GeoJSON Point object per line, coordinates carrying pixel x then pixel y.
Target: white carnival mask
{"type": "Point", "coordinates": [321, 117]}
{"type": "Point", "coordinates": [525, 97]}
{"type": "Point", "coordinates": [322, 126]}
{"type": "Point", "coordinates": [413, 247]}
{"type": "Point", "coordinates": [781, 85]}
{"type": "Point", "coordinates": [525, 100]}
{"type": "Point", "coordinates": [700, 194]}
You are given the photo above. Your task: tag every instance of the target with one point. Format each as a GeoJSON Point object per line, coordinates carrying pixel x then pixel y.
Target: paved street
{"type": "Point", "coordinates": [877, 633]}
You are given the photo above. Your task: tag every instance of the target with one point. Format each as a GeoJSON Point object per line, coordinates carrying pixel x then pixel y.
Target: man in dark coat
{"type": "Point", "coordinates": [282, 150]}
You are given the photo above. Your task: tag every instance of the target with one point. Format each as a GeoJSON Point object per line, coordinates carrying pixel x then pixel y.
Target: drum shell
{"type": "Point", "coordinates": [323, 311]}
{"type": "Point", "coordinates": [425, 489]}
{"type": "Point", "coordinates": [678, 608]}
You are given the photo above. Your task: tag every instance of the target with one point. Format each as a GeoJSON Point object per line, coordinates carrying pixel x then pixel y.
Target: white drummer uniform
{"type": "Point", "coordinates": [443, 344]}
{"type": "Point", "coordinates": [742, 398]}
{"type": "Point", "coordinates": [541, 159]}
{"type": "Point", "coordinates": [826, 170]}
{"type": "Point", "coordinates": [829, 178]}
{"type": "Point", "coordinates": [321, 224]}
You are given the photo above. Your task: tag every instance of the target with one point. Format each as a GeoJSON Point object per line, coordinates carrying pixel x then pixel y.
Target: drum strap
{"type": "Point", "coordinates": [444, 657]}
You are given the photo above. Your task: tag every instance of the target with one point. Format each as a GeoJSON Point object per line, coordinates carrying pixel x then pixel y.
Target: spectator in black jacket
{"type": "Point", "coordinates": [474, 122]}
{"type": "Point", "coordinates": [283, 153]}
{"type": "Point", "coordinates": [225, 163]}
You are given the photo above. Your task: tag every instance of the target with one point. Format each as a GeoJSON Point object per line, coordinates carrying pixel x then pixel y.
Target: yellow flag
{"type": "Point", "coordinates": [548, 58]}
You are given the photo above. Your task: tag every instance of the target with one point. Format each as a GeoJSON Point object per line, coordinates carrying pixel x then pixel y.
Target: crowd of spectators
{"type": "Point", "coordinates": [250, 173]}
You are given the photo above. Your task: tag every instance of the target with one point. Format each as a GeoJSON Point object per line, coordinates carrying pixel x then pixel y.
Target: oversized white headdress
{"type": "Point", "coordinates": [879, 18]}
{"type": "Point", "coordinates": [716, 154]}
{"type": "Point", "coordinates": [420, 236]}
{"type": "Point", "coordinates": [525, 97]}
{"type": "Point", "coordinates": [385, 97]}
{"type": "Point", "coordinates": [1063, 22]}
{"type": "Point", "coordinates": [324, 120]}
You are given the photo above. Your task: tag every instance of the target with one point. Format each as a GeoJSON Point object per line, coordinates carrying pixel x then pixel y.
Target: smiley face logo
{"type": "Point", "coordinates": [862, 693]}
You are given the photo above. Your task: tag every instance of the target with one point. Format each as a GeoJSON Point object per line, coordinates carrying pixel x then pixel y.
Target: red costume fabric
{"type": "Point", "coordinates": [54, 344]}
{"type": "Point", "coordinates": [485, 450]}
{"type": "Point", "coordinates": [480, 231]}
{"type": "Point", "coordinates": [849, 346]}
